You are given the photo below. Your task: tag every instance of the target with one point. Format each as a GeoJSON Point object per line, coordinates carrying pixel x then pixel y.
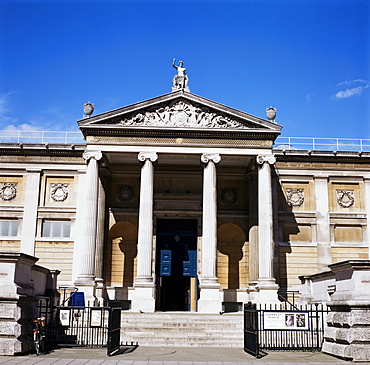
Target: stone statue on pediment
{"type": "Point", "coordinates": [180, 81]}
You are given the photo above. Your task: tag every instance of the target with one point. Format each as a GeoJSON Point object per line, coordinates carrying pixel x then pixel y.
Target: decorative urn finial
{"type": "Point", "coordinates": [180, 81]}
{"type": "Point", "coordinates": [271, 113]}
{"type": "Point", "coordinates": [88, 109]}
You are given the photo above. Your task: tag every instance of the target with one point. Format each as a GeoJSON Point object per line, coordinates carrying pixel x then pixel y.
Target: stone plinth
{"type": "Point", "coordinates": [348, 324]}
{"type": "Point", "coordinates": [17, 303]}
{"type": "Point", "coordinates": [22, 285]}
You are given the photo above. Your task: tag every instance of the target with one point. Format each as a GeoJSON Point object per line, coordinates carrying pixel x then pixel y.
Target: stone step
{"type": "Point", "coordinates": [182, 329]}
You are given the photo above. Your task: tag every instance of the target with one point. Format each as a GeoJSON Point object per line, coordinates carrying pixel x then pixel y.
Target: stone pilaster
{"type": "Point", "coordinates": [31, 202]}
{"type": "Point", "coordinates": [322, 224]}
{"type": "Point", "coordinates": [267, 286]}
{"type": "Point", "coordinates": [143, 296]}
{"type": "Point", "coordinates": [367, 207]}
{"type": "Point", "coordinates": [210, 300]}
{"type": "Point", "coordinates": [86, 277]}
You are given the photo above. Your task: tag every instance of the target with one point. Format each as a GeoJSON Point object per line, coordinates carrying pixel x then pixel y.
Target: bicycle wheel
{"type": "Point", "coordinates": [36, 342]}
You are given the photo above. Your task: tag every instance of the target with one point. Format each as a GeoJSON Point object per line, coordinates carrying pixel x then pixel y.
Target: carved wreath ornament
{"type": "Point", "coordinates": [229, 196]}
{"type": "Point", "coordinates": [295, 197]}
{"type": "Point", "coordinates": [8, 191]}
{"type": "Point", "coordinates": [182, 114]}
{"type": "Point", "coordinates": [125, 193]}
{"type": "Point", "coordinates": [345, 198]}
{"type": "Point", "coordinates": [59, 192]}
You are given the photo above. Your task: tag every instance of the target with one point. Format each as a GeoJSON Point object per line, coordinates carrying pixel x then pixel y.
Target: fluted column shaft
{"type": "Point", "coordinates": [265, 221]}
{"type": "Point", "coordinates": [88, 229]}
{"type": "Point", "coordinates": [209, 236]}
{"type": "Point", "coordinates": [100, 233]}
{"type": "Point", "coordinates": [267, 287]}
{"type": "Point", "coordinates": [145, 234]}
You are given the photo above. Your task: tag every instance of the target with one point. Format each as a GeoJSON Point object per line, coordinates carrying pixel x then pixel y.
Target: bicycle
{"type": "Point", "coordinates": [39, 335]}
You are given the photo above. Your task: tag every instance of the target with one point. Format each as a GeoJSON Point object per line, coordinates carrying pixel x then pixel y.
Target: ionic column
{"type": "Point", "coordinates": [322, 224]}
{"type": "Point", "coordinates": [266, 282]}
{"type": "Point", "coordinates": [31, 202]}
{"type": "Point", "coordinates": [210, 300]}
{"type": "Point", "coordinates": [144, 287]}
{"type": "Point", "coordinates": [253, 236]}
{"type": "Point", "coordinates": [87, 249]}
{"type": "Point", "coordinates": [100, 245]}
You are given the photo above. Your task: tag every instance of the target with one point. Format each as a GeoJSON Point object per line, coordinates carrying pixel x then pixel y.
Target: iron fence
{"type": "Point", "coordinates": [90, 327]}
{"type": "Point", "coordinates": [283, 326]}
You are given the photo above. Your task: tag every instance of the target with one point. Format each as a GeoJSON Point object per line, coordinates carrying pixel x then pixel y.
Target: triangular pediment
{"type": "Point", "coordinates": [179, 110]}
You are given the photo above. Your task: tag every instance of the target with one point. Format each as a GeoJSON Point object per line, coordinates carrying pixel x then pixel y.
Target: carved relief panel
{"type": "Point", "coordinates": [11, 190]}
{"type": "Point", "coordinates": [181, 113]}
{"type": "Point", "coordinates": [346, 197]}
{"type": "Point", "coordinates": [296, 196]}
{"type": "Point", "coordinates": [8, 191]}
{"type": "Point", "coordinates": [58, 191]}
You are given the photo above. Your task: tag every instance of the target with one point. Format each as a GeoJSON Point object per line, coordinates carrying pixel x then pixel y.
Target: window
{"type": "Point", "coordinates": [56, 229]}
{"type": "Point", "coordinates": [8, 228]}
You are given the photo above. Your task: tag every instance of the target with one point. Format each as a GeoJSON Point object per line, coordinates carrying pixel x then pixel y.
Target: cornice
{"type": "Point", "coordinates": [34, 149]}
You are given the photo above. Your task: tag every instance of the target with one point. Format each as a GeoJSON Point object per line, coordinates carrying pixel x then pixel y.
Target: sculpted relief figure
{"type": "Point", "coordinates": [182, 114]}
{"type": "Point", "coordinates": [180, 81]}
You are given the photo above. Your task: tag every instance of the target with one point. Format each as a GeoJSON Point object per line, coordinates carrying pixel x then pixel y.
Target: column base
{"type": "Point", "coordinates": [267, 291]}
{"type": "Point", "coordinates": [252, 290]}
{"type": "Point", "coordinates": [210, 300]}
{"type": "Point", "coordinates": [142, 298]}
{"type": "Point", "coordinates": [100, 291]}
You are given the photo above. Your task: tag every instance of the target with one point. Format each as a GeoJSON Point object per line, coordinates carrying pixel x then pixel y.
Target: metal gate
{"type": "Point", "coordinates": [114, 328]}
{"type": "Point", "coordinates": [83, 326]}
{"type": "Point", "coordinates": [283, 327]}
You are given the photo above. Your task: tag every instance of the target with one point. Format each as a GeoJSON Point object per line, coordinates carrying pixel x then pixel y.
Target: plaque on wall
{"type": "Point", "coordinates": [59, 192]}
{"type": "Point", "coordinates": [229, 196]}
{"type": "Point", "coordinates": [125, 193]}
{"type": "Point", "coordinates": [295, 197]}
{"type": "Point", "coordinates": [8, 191]}
{"type": "Point", "coordinates": [345, 198]}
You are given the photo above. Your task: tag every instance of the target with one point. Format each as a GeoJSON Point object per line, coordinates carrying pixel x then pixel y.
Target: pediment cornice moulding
{"type": "Point", "coordinates": [179, 110]}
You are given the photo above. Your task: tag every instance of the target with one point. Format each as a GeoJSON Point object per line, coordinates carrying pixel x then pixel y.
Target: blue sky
{"type": "Point", "coordinates": [309, 59]}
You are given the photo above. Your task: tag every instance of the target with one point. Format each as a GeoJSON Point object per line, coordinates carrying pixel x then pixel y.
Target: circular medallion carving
{"type": "Point", "coordinates": [345, 198]}
{"type": "Point", "coordinates": [229, 196]}
{"type": "Point", "coordinates": [8, 191]}
{"type": "Point", "coordinates": [59, 192]}
{"type": "Point", "coordinates": [295, 197]}
{"type": "Point", "coordinates": [125, 193]}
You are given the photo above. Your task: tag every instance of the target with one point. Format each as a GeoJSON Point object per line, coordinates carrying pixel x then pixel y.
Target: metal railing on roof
{"type": "Point", "coordinates": [322, 144]}
{"type": "Point", "coordinates": [59, 137]}
{"type": "Point", "coordinates": [281, 143]}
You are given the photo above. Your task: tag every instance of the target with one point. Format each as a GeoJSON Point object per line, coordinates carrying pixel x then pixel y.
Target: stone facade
{"type": "Point", "coordinates": [254, 218]}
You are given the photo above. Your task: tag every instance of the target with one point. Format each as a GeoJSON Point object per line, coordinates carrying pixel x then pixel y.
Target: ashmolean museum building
{"type": "Point", "coordinates": [179, 203]}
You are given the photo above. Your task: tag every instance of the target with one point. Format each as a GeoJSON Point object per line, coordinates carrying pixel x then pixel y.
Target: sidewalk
{"type": "Point", "coordinates": [170, 356]}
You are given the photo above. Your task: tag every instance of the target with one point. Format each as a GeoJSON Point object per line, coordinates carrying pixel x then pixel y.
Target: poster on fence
{"type": "Point", "coordinates": [96, 318]}
{"type": "Point", "coordinates": [65, 317]}
{"type": "Point", "coordinates": [279, 320]}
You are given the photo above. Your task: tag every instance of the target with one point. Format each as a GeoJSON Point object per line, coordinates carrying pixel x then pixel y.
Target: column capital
{"type": "Point", "coordinates": [206, 157]}
{"type": "Point", "coordinates": [261, 159]}
{"type": "Point", "coordinates": [97, 155]}
{"type": "Point", "coordinates": [152, 156]}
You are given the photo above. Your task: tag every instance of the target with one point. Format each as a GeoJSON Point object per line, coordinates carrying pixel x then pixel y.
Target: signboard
{"type": "Point", "coordinates": [65, 317]}
{"type": "Point", "coordinates": [279, 320]}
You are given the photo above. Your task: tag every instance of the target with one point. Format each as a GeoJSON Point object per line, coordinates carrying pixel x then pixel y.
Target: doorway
{"type": "Point", "coordinates": [176, 265]}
